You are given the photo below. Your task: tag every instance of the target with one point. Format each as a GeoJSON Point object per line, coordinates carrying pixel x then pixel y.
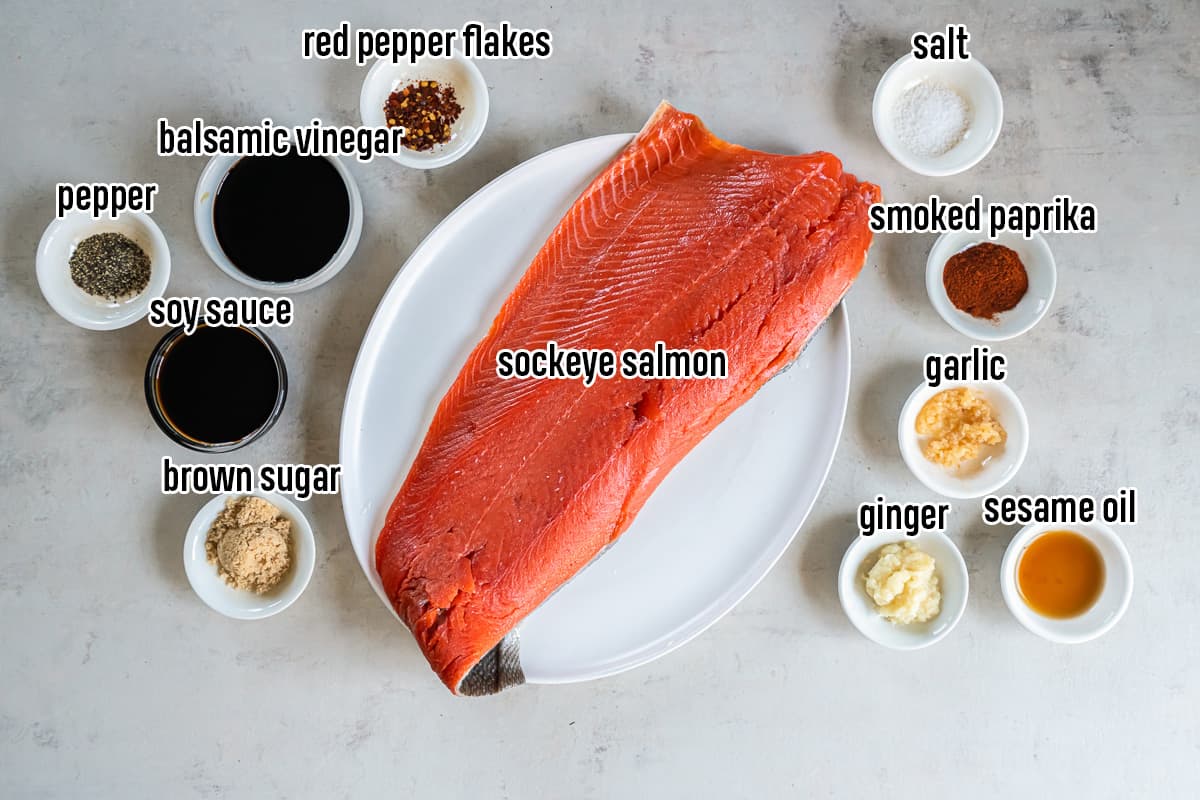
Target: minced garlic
{"type": "Point", "coordinates": [902, 584]}
{"type": "Point", "coordinates": [959, 424]}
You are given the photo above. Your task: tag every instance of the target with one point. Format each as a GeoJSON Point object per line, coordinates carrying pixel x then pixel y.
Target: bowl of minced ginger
{"type": "Point", "coordinates": [964, 439]}
{"type": "Point", "coordinates": [249, 556]}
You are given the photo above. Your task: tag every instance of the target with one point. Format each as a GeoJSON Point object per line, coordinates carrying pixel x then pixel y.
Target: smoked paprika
{"type": "Point", "coordinates": [985, 280]}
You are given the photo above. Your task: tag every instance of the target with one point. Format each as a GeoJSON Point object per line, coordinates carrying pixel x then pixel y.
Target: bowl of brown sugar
{"type": "Point", "coordinates": [990, 289]}
{"type": "Point", "coordinates": [249, 556]}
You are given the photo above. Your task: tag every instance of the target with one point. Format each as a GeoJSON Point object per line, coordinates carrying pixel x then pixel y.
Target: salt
{"type": "Point", "coordinates": [930, 119]}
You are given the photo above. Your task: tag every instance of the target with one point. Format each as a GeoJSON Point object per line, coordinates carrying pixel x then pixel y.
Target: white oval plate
{"type": "Point", "coordinates": [711, 531]}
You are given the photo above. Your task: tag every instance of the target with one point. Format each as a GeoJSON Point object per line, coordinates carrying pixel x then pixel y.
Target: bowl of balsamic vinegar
{"type": "Point", "coordinates": [283, 223]}
{"type": "Point", "coordinates": [216, 389]}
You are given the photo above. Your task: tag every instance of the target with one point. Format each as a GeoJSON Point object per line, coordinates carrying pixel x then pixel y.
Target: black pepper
{"type": "Point", "coordinates": [111, 266]}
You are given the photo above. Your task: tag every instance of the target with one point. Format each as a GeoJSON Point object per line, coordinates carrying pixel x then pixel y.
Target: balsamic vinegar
{"type": "Point", "coordinates": [280, 219]}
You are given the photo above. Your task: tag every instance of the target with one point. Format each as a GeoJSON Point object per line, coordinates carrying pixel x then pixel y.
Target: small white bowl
{"type": "Point", "coordinates": [469, 87]}
{"type": "Point", "coordinates": [952, 579]}
{"type": "Point", "coordinates": [997, 471]}
{"type": "Point", "coordinates": [969, 78]}
{"type": "Point", "coordinates": [237, 603]}
{"type": "Point", "coordinates": [1039, 266]}
{"type": "Point", "coordinates": [202, 211]}
{"type": "Point", "coordinates": [1097, 620]}
{"type": "Point", "coordinates": [77, 306]}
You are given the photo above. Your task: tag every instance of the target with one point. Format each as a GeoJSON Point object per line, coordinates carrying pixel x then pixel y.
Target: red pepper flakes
{"type": "Point", "coordinates": [425, 110]}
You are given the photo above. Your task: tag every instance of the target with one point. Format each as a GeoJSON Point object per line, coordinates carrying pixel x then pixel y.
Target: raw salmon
{"type": "Point", "coordinates": [683, 239]}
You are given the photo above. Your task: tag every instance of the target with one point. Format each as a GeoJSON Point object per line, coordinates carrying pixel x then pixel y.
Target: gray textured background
{"type": "Point", "coordinates": [115, 681]}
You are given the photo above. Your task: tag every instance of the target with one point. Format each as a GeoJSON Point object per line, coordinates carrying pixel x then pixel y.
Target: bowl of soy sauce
{"type": "Point", "coordinates": [216, 389]}
{"type": "Point", "coordinates": [279, 223]}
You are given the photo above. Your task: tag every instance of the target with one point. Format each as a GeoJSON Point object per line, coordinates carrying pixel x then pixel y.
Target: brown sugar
{"type": "Point", "coordinates": [250, 542]}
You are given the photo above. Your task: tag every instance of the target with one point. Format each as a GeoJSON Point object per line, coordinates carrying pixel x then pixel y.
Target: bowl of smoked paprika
{"type": "Point", "coordinates": [990, 289]}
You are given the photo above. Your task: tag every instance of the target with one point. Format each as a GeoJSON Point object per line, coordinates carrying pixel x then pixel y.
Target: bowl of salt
{"type": "Point", "coordinates": [937, 117]}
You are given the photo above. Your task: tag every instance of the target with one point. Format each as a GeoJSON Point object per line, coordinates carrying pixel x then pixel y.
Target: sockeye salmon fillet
{"type": "Point", "coordinates": [684, 239]}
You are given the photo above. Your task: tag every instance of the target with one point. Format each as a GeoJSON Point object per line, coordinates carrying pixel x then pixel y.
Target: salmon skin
{"type": "Point", "coordinates": [519, 483]}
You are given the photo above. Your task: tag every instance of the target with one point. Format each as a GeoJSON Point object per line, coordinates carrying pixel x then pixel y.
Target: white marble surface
{"type": "Point", "coordinates": [117, 682]}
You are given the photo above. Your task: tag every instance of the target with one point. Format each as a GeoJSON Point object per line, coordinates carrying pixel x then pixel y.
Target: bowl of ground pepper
{"type": "Point", "coordinates": [441, 103]}
{"type": "Point", "coordinates": [990, 289]}
{"type": "Point", "coordinates": [101, 274]}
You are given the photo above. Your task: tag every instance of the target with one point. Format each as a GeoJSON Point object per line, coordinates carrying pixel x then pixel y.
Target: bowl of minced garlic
{"type": "Point", "coordinates": [249, 556]}
{"type": "Point", "coordinates": [958, 429]}
{"type": "Point", "coordinates": [964, 440]}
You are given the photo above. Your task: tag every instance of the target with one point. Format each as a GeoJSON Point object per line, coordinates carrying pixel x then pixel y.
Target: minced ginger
{"type": "Point", "coordinates": [250, 541]}
{"type": "Point", "coordinates": [959, 424]}
{"type": "Point", "coordinates": [902, 584]}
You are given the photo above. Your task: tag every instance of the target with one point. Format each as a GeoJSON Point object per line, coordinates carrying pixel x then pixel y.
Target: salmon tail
{"type": "Point", "coordinates": [499, 669]}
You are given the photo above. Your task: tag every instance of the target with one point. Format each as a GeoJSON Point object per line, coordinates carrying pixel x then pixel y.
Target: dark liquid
{"type": "Point", "coordinates": [218, 385]}
{"type": "Point", "coordinates": [281, 218]}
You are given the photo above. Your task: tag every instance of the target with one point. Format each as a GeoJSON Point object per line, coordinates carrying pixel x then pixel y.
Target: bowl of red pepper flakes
{"type": "Point", "coordinates": [990, 289]}
{"type": "Point", "coordinates": [426, 110]}
{"type": "Point", "coordinates": [441, 104]}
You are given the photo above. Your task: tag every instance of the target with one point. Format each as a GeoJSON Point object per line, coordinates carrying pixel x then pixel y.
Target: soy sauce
{"type": "Point", "coordinates": [215, 387]}
{"type": "Point", "coordinates": [281, 218]}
